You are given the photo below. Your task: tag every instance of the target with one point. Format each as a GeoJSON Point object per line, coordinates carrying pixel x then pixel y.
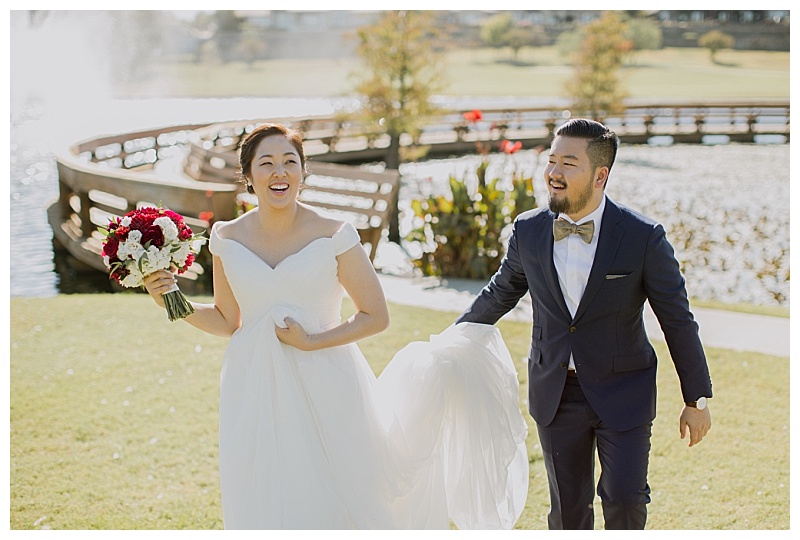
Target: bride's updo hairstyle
{"type": "Point", "coordinates": [248, 148]}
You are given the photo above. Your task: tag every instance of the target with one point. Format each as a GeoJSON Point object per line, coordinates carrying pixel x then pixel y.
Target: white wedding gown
{"type": "Point", "coordinates": [313, 440]}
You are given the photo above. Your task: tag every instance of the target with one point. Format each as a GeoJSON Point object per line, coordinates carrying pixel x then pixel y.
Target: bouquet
{"type": "Point", "coordinates": [149, 239]}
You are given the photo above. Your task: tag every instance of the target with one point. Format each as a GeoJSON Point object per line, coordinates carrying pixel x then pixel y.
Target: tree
{"type": "Point", "coordinates": [569, 43]}
{"type": "Point", "coordinates": [714, 41]}
{"type": "Point", "coordinates": [522, 36]}
{"type": "Point", "coordinates": [500, 31]}
{"type": "Point", "coordinates": [229, 26]}
{"type": "Point", "coordinates": [401, 56]}
{"type": "Point", "coordinates": [203, 28]}
{"type": "Point", "coordinates": [494, 32]}
{"type": "Point", "coordinates": [595, 87]}
{"type": "Point", "coordinates": [643, 35]}
{"type": "Point", "coordinates": [251, 45]}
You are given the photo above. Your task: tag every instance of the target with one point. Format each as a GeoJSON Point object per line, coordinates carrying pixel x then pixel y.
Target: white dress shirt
{"type": "Point", "coordinates": [573, 259]}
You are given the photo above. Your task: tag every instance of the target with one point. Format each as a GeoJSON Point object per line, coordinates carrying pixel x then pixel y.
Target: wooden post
{"type": "Point", "coordinates": [87, 227]}
{"type": "Point", "coordinates": [649, 120]}
{"type": "Point", "coordinates": [751, 123]}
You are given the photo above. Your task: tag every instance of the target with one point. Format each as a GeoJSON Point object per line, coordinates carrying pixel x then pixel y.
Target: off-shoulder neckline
{"type": "Point", "coordinates": [214, 232]}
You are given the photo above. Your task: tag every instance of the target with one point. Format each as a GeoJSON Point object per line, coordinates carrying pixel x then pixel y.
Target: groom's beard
{"type": "Point", "coordinates": [568, 206]}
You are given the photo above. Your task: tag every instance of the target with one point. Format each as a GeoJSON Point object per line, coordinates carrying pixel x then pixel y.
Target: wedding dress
{"type": "Point", "coordinates": [313, 440]}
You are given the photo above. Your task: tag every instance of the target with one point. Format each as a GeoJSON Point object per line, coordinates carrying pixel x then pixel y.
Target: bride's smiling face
{"type": "Point", "coordinates": [276, 171]}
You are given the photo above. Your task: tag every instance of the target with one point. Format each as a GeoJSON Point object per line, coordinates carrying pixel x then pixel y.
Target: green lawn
{"type": "Point", "coordinates": [114, 423]}
{"type": "Point", "coordinates": [671, 73]}
{"type": "Point", "coordinates": [771, 311]}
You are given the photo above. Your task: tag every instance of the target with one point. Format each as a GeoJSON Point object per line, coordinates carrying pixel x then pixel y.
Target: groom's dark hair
{"type": "Point", "coordinates": [602, 142]}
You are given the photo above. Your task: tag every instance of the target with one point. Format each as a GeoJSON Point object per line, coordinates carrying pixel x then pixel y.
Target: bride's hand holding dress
{"type": "Point", "coordinates": [358, 278]}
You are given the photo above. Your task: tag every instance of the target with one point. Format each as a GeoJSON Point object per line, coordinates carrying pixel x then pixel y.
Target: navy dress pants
{"type": "Point", "coordinates": [569, 444]}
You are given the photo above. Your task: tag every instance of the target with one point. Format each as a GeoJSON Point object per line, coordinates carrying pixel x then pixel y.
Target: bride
{"type": "Point", "coordinates": [309, 438]}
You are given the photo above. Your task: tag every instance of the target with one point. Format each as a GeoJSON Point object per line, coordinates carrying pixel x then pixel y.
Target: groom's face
{"type": "Point", "coordinates": [571, 178]}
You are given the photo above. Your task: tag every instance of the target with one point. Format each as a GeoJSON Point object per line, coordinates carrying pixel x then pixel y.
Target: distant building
{"type": "Point", "coordinates": [752, 30]}
{"type": "Point", "coordinates": [732, 16]}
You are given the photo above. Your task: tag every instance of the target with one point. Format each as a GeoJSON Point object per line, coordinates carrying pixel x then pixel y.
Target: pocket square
{"type": "Point", "coordinates": [616, 276]}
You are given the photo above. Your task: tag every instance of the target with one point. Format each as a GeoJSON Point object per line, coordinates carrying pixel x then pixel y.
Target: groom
{"type": "Point", "coordinates": [589, 265]}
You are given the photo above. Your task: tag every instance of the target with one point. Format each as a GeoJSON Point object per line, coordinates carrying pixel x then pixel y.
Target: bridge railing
{"type": "Point", "coordinates": [685, 122]}
{"type": "Point", "coordinates": [352, 140]}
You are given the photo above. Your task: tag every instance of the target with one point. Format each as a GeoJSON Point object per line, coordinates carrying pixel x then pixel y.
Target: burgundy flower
{"type": "Point", "coordinates": [139, 222]}
{"type": "Point", "coordinates": [152, 234]}
{"type": "Point", "coordinates": [119, 273]}
{"type": "Point", "coordinates": [110, 246]}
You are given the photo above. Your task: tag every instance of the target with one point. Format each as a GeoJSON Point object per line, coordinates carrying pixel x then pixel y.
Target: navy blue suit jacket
{"type": "Point", "coordinates": [615, 362]}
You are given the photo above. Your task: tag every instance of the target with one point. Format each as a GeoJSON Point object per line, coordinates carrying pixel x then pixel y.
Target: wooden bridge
{"type": "Point", "coordinates": [451, 134]}
{"type": "Point", "coordinates": [191, 168]}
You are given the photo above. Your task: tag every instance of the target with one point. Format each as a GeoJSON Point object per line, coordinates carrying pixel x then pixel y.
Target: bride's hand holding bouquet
{"type": "Point", "coordinates": [144, 247]}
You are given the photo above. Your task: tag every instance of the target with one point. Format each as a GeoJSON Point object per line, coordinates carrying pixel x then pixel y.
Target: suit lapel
{"type": "Point", "coordinates": [545, 249]}
{"type": "Point", "coordinates": [608, 243]}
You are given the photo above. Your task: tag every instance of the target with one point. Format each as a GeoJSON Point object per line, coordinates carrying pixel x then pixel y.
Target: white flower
{"type": "Point", "coordinates": [126, 221]}
{"type": "Point", "coordinates": [134, 236]}
{"type": "Point", "coordinates": [134, 277]}
{"type": "Point", "coordinates": [179, 256]}
{"type": "Point", "coordinates": [130, 249]}
{"type": "Point", "coordinates": [155, 259]}
{"type": "Point", "coordinates": [168, 228]}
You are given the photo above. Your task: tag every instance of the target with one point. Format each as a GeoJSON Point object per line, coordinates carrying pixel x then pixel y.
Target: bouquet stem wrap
{"type": "Point", "coordinates": [178, 307]}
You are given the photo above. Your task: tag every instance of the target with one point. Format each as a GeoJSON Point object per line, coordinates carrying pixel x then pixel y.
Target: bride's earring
{"type": "Point", "coordinates": [250, 189]}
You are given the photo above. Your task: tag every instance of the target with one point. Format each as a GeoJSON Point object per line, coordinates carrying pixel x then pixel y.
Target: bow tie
{"type": "Point", "coordinates": [563, 228]}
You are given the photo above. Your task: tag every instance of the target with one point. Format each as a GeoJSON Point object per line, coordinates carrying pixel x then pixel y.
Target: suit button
{"type": "Point", "coordinates": [573, 329]}
{"type": "Point", "coordinates": [563, 365]}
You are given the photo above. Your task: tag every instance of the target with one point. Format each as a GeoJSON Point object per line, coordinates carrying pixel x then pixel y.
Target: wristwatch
{"type": "Point", "coordinates": [700, 404]}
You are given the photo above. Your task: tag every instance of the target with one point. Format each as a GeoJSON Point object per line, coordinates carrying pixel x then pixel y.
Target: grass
{"type": "Point", "coordinates": [670, 73]}
{"type": "Point", "coordinates": [755, 309]}
{"type": "Point", "coordinates": [114, 423]}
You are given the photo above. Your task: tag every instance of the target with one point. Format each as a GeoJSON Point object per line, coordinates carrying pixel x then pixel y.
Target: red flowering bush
{"type": "Point", "coordinates": [461, 235]}
{"type": "Point", "coordinates": [473, 116]}
{"type": "Point", "coordinates": [509, 148]}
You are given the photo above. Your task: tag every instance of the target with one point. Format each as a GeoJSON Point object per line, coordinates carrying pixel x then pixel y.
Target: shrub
{"type": "Point", "coordinates": [463, 235]}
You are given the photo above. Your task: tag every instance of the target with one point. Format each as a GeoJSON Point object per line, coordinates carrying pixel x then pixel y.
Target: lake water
{"type": "Point", "coordinates": [725, 207]}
